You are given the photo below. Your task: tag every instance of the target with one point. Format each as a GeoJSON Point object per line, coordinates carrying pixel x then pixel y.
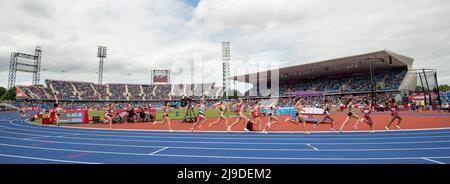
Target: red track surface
{"type": "Point", "coordinates": [411, 120]}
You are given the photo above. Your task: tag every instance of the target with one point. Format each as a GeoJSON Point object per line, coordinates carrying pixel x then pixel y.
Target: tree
{"type": "Point", "coordinates": [2, 91]}
{"type": "Point", "coordinates": [419, 88]}
{"type": "Point", "coordinates": [444, 87]}
{"type": "Point", "coordinates": [10, 94]}
{"type": "Point", "coordinates": [234, 94]}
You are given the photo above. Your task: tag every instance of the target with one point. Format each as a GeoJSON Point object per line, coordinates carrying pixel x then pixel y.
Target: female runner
{"type": "Point", "coordinates": [253, 120]}
{"type": "Point", "coordinates": [327, 115]}
{"type": "Point", "coordinates": [350, 113]}
{"type": "Point", "coordinates": [393, 107]}
{"type": "Point", "coordinates": [272, 118]}
{"type": "Point", "coordinates": [201, 114]}
{"type": "Point", "coordinates": [256, 113]}
{"type": "Point", "coordinates": [221, 107]}
{"type": "Point", "coordinates": [55, 113]}
{"type": "Point", "coordinates": [166, 109]}
{"type": "Point", "coordinates": [367, 110]}
{"type": "Point", "coordinates": [299, 118]}
{"type": "Point", "coordinates": [23, 113]}
{"type": "Point", "coordinates": [109, 115]}
{"type": "Point", "coordinates": [239, 113]}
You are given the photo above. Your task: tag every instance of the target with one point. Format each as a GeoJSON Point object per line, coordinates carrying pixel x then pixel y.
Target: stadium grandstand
{"type": "Point", "coordinates": [88, 91]}
{"type": "Point", "coordinates": [342, 76]}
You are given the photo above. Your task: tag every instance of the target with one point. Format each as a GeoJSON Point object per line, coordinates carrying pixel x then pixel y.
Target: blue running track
{"type": "Point", "coordinates": [21, 142]}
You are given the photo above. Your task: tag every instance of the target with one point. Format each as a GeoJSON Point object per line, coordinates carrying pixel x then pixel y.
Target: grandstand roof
{"type": "Point", "coordinates": [335, 67]}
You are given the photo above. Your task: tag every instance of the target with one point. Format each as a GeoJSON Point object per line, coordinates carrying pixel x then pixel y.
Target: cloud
{"type": "Point", "coordinates": [144, 35]}
{"type": "Point", "coordinates": [307, 31]}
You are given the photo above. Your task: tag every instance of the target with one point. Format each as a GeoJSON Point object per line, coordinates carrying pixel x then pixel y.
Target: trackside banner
{"type": "Point", "coordinates": [74, 117]}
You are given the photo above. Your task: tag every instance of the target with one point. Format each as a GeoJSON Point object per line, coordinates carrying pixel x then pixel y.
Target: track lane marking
{"type": "Point", "coordinates": [296, 158]}
{"type": "Point", "coordinates": [235, 157]}
{"type": "Point", "coordinates": [46, 159]}
{"type": "Point", "coordinates": [241, 143]}
{"type": "Point", "coordinates": [74, 150]}
{"type": "Point", "coordinates": [248, 138]}
{"type": "Point", "coordinates": [144, 131]}
{"type": "Point", "coordinates": [157, 151]}
{"type": "Point", "coordinates": [37, 137]}
{"type": "Point", "coordinates": [431, 160]}
{"type": "Point", "coordinates": [309, 145]}
{"type": "Point", "coordinates": [43, 142]}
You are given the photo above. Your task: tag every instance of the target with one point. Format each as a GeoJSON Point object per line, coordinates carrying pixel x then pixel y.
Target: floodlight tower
{"type": "Point", "coordinates": [226, 57]}
{"type": "Point", "coordinates": [23, 66]}
{"type": "Point", "coordinates": [101, 54]}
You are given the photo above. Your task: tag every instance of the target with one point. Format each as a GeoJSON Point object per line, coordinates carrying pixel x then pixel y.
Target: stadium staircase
{"type": "Point", "coordinates": [126, 94]}
{"type": "Point", "coordinates": [75, 91]}
{"type": "Point", "coordinates": [54, 92]}
{"type": "Point", "coordinates": [382, 83]}
{"type": "Point", "coordinates": [49, 96]}
{"type": "Point", "coordinates": [96, 92]}
{"type": "Point", "coordinates": [141, 94]}
{"type": "Point", "coordinates": [31, 93]}
{"type": "Point", "coordinates": [108, 94]}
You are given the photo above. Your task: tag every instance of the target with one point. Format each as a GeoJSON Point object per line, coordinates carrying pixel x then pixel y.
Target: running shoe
{"type": "Point", "coordinates": [398, 127]}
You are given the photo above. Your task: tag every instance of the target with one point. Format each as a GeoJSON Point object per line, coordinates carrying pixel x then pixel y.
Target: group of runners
{"type": "Point", "coordinates": [254, 118]}
{"type": "Point", "coordinates": [254, 115]}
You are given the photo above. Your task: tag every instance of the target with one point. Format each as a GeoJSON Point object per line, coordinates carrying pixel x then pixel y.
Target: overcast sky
{"type": "Point", "coordinates": [142, 35]}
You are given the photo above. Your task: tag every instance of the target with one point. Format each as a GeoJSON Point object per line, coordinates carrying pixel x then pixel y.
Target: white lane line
{"type": "Point", "coordinates": [157, 151]}
{"type": "Point", "coordinates": [231, 148]}
{"type": "Point", "coordinates": [179, 132]}
{"type": "Point", "coordinates": [73, 150]}
{"type": "Point", "coordinates": [39, 137]}
{"type": "Point", "coordinates": [241, 143]}
{"type": "Point", "coordinates": [8, 119]}
{"type": "Point", "coordinates": [244, 138]}
{"type": "Point", "coordinates": [66, 136]}
{"type": "Point", "coordinates": [231, 157]}
{"type": "Point", "coordinates": [46, 159]}
{"type": "Point", "coordinates": [228, 157]}
{"type": "Point", "coordinates": [295, 158]}
{"type": "Point", "coordinates": [431, 160]}
{"type": "Point", "coordinates": [244, 135]}
{"type": "Point", "coordinates": [309, 145]}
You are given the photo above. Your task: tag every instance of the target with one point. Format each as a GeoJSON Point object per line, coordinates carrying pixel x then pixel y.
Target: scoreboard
{"type": "Point", "coordinates": [160, 76]}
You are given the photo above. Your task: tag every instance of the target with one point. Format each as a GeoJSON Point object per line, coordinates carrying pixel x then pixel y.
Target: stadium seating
{"type": "Point", "coordinates": [134, 92]}
{"type": "Point", "coordinates": [88, 91]}
{"type": "Point", "coordinates": [63, 90]}
{"type": "Point", "coordinates": [102, 91]}
{"type": "Point", "coordinates": [85, 91]}
{"type": "Point", "coordinates": [148, 91]}
{"type": "Point", "coordinates": [37, 92]}
{"type": "Point", "coordinates": [385, 81]}
{"type": "Point", "coordinates": [162, 92]}
{"type": "Point", "coordinates": [117, 91]}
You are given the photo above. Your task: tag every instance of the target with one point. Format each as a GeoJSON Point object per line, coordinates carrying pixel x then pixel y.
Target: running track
{"type": "Point", "coordinates": [21, 142]}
